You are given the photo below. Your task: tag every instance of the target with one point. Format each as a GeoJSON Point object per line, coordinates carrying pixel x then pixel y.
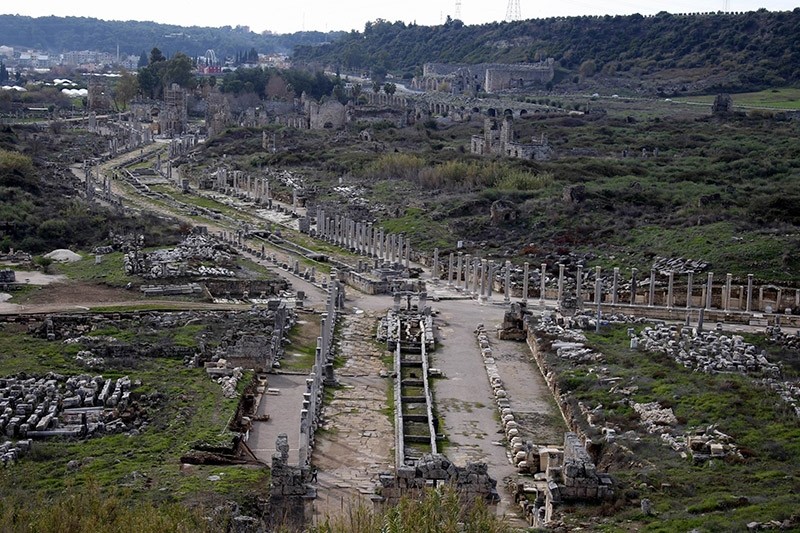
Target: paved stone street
{"type": "Point", "coordinates": [357, 440]}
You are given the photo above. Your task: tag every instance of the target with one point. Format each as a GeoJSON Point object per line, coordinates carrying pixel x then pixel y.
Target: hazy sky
{"type": "Point", "coordinates": [286, 17]}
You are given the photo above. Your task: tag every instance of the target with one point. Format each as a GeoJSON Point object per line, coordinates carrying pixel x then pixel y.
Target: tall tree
{"type": "Point", "coordinates": [178, 70]}
{"type": "Point", "coordinates": [156, 56]}
{"type": "Point", "coordinates": [142, 60]}
{"type": "Point", "coordinates": [126, 88]}
{"type": "Point", "coordinates": [3, 72]}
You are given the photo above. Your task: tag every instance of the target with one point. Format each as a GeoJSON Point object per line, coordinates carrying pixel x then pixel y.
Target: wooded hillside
{"type": "Point", "coordinates": [59, 34]}
{"type": "Point", "coordinates": [739, 51]}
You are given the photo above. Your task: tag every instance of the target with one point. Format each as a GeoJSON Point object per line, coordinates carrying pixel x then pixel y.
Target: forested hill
{"type": "Point", "coordinates": [755, 48]}
{"type": "Point", "coordinates": [59, 34]}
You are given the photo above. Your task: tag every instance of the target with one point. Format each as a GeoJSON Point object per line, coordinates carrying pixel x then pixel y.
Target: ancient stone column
{"type": "Point", "coordinates": [381, 245]}
{"type": "Point", "coordinates": [371, 239]}
{"type": "Point", "coordinates": [484, 268]}
{"type": "Point", "coordinates": [399, 249]}
{"type": "Point", "coordinates": [689, 289]}
{"type": "Point", "coordinates": [459, 269]}
{"type": "Point", "coordinates": [670, 286]}
{"type": "Point", "coordinates": [476, 281]}
{"type": "Point", "coordinates": [450, 271]}
{"type": "Point", "coordinates": [652, 295]}
{"type": "Point", "coordinates": [728, 281]}
{"type": "Point", "coordinates": [408, 252]}
{"type": "Point", "coordinates": [490, 279]}
{"type": "Point", "coordinates": [634, 271]}
{"type": "Point", "coordinates": [303, 452]}
{"type": "Point", "coordinates": [560, 281]}
{"type": "Point", "coordinates": [467, 268]}
{"type": "Point", "coordinates": [435, 264]}
{"type": "Point", "coordinates": [709, 290]}
{"type": "Point", "coordinates": [615, 286]}
{"type": "Point", "coordinates": [507, 289]}
{"type": "Point", "coordinates": [597, 294]}
{"type": "Point", "coordinates": [525, 274]}
{"type": "Point", "coordinates": [579, 288]}
{"type": "Point", "coordinates": [542, 284]}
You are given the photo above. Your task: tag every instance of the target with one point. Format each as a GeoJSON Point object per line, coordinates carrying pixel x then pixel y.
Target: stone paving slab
{"type": "Point", "coordinates": [284, 417]}
{"type": "Point", "coordinates": [358, 437]}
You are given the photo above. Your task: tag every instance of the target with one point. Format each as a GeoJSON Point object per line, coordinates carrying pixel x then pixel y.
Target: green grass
{"type": "Point", "coordinates": [301, 351]}
{"type": "Point", "coordinates": [110, 271]}
{"type": "Point", "coordinates": [779, 98]}
{"type": "Point", "coordinates": [725, 247]}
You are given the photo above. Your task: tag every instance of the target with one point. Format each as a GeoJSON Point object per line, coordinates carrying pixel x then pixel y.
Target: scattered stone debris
{"type": "Point", "coordinates": [58, 406]}
{"type": "Point", "coordinates": [179, 261]}
{"type": "Point", "coordinates": [11, 452]}
{"type": "Point", "coordinates": [702, 444]}
{"type": "Point", "coordinates": [775, 335]}
{"type": "Point", "coordinates": [560, 476]}
{"type": "Point", "coordinates": [709, 352]}
{"type": "Point", "coordinates": [678, 265]}
{"type": "Point", "coordinates": [654, 417]}
{"type": "Point", "coordinates": [227, 377]}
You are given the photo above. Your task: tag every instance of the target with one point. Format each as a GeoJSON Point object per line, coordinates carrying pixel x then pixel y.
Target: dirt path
{"type": "Point", "coordinates": [357, 438]}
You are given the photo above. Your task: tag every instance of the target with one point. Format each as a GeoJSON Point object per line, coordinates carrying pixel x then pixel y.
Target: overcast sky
{"type": "Point", "coordinates": [287, 17]}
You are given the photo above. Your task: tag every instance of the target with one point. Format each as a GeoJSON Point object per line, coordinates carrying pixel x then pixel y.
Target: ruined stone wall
{"type": "Point", "coordinates": [489, 77]}
{"type": "Point", "coordinates": [329, 115]}
{"type": "Point", "coordinates": [289, 492]}
{"type": "Point", "coordinates": [505, 77]}
{"type": "Point", "coordinates": [472, 481]}
{"type": "Point", "coordinates": [252, 288]}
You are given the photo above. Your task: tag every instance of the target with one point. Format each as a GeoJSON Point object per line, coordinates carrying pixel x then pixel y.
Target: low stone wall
{"type": "Point", "coordinates": [472, 481]}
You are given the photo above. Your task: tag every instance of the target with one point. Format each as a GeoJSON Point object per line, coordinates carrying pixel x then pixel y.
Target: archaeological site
{"type": "Point", "coordinates": [496, 287]}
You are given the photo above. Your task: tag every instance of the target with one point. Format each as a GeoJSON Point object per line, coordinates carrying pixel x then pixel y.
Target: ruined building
{"type": "Point", "coordinates": [173, 118]}
{"type": "Point", "coordinates": [483, 77]}
{"type": "Point", "coordinates": [498, 139]}
{"type": "Point", "coordinates": [168, 117]}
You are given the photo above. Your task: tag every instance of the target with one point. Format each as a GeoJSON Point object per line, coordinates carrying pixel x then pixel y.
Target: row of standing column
{"type": "Point", "coordinates": [364, 238]}
{"type": "Point", "coordinates": [476, 276]}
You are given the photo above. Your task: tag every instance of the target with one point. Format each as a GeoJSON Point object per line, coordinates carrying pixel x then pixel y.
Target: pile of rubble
{"type": "Point", "coordinates": [678, 265]}
{"type": "Point", "coordinates": [561, 476]}
{"type": "Point", "coordinates": [788, 391]}
{"type": "Point", "coordinates": [175, 262]}
{"type": "Point", "coordinates": [228, 378]}
{"type": "Point", "coordinates": [776, 335]}
{"type": "Point", "coordinates": [702, 444]}
{"type": "Point", "coordinates": [557, 328]}
{"type": "Point", "coordinates": [709, 352]}
{"type": "Point", "coordinates": [59, 406]}
{"type": "Point", "coordinates": [471, 481]}
{"type": "Point", "coordinates": [654, 417]}
{"type": "Point", "coordinates": [11, 452]}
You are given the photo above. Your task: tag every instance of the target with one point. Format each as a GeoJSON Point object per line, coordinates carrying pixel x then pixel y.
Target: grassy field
{"type": "Point", "coordinates": [109, 272]}
{"type": "Point", "coordinates": [781, 98]}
